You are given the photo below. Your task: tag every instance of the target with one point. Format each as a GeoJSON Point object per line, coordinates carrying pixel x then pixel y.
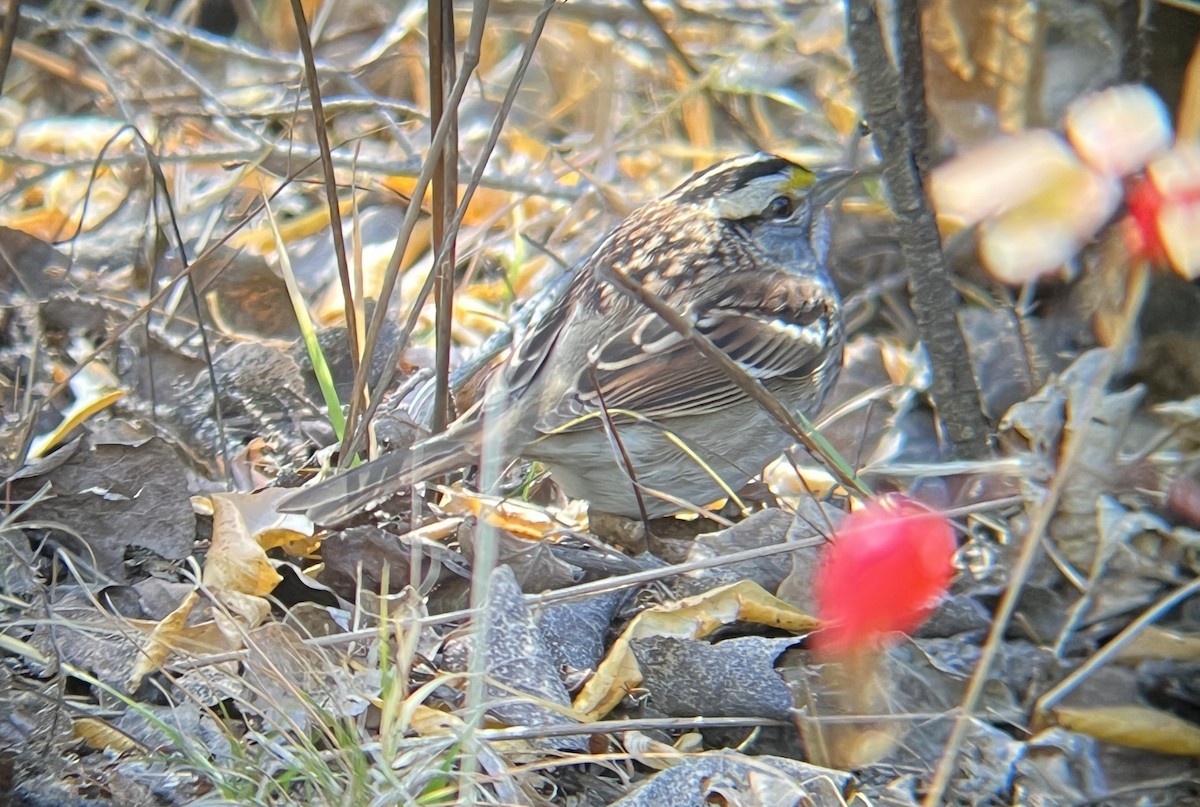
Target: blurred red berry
{"type": "Point", "coordinates": [1144, 202]}
{"type": "Point", "coordinates": [1164, 211]}
{"type": "Point", "coordinates": [883, 573]}
{"type": "Point", "coordinates": [1034, 221]}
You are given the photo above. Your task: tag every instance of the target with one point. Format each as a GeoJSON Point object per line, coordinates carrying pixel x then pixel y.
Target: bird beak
{"type": "Point", "coordinates": [829, 186]}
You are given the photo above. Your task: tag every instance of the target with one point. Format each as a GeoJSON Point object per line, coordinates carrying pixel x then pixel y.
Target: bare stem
{"type": "Point", "coordinates": [445, 197]}
{"type": "Point", "coordinates": [934, 299]}
{"type": "Point", "coordinates": [331, 193]}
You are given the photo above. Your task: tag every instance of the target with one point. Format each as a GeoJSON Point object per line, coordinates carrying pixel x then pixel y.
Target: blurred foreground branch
{"type": "Point", "coordinates": [934, 299]}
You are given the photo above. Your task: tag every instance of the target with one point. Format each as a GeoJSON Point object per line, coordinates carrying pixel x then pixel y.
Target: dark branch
{"type": "Point", "coordinates": [934, 299]}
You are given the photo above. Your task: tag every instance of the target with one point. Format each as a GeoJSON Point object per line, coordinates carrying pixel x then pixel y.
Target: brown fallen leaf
{"type": "Point", "coordinates": [1159, 643]}
{"type": "Point", "coordinates": [693, 618]}
{"type": "Point", "coordinates": [1133, 727]}
{"type": "Point", "coordinates": [244, 527]}
{"type": "Point", "coordinates": [162, 640]}
{"type": "Point", "coordinates": [523, 520]}
{"type": "Point", "coordinates": [234, 615]}
{"type": "Point", "coordinates": [102, 737]}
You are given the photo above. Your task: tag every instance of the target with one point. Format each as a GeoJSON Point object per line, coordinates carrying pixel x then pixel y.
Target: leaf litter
{"type": "Point", "coordinates": [172, 638]}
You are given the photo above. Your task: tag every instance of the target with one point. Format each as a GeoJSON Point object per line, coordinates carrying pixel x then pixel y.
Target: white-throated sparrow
{"type": "Point", "coordinates": [739, 249]}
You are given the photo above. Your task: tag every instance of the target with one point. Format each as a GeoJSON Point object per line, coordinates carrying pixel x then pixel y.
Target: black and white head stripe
{"type": "Point", "coordinates": [731, 175]}
{"type": "Point", "coordinates": [742, 187]}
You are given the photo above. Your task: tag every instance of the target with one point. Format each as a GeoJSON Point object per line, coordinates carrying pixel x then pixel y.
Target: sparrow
{"type": "Point", "coordinates": [620, 407]}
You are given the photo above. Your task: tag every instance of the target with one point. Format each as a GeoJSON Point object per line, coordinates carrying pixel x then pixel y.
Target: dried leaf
{"type": "Point", "coordinates": [94, 389]}
{"type": "Point", "coordinates": [102, 737]}
{"type": "Point", "coordinates": [162, 640]}
{"type": "Point", "coordinates": [575, 629]}
{"type": "Point", "coordinates": [236, 561]}
{"type": "Point", "coordinates": [733, 678]}
{"type": "Point", "coordinates": [524, 685]}
{"type": "Point", "coordinates": [1134, 727]}
{"type": "Point", "coordinates": [122, 499]}
{"type": "Point", "coordinates": [735, 778]}
{"type": "Point", "coordinates": [1159, 643]}
{"type": "Point", "coordinates": [516, 518]}
{"type": "Point", "coordinates": [695, 618]}
{"type": "Point", "coordinates": [649, 752]}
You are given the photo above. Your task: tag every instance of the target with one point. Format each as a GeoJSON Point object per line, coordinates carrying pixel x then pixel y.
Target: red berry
{"type": "Point", "coordinates": [883, 573]}
{"type": "Point", "coordinates": [1144, 202]}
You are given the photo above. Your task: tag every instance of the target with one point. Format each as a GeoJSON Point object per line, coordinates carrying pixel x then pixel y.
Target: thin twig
{"type": "Point", "coordinates": [220, 45]}
{"type": "Point", "coordinates": [608, 584]}
{"type": "Point", "coordinates": [468, 190]}
{"type": "Point", "coordinates": [12, 17]}
{"type": "Point", "coordinates": [310, 156]}
{"type": "Point", "coordinates": [62, 68]}
{"type": "Point", "coordinates": [445, 199]}
{"type": "Point", "coordinates": [618, 446]}
{"type": "Point", "coordinates": [169, 288]}
{"type": "Point", "coordinates": [356, 420]}
{"type": "Point", "coordinates": [331, 193]}
{"type": "Point", "coordinates": [160, 184]}
{"type": "Point", "coordinates": [1132, 23]}
{"type": "Point", "coordinates": [694, 73]}
{"type": "Point", "coordinates": [1118, 643]}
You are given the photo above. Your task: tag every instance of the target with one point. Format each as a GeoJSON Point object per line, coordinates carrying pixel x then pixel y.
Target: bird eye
{"type": "Point", "coordinates": [780, 207]}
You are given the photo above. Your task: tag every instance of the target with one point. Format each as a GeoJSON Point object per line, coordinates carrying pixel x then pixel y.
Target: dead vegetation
{"type": "Point", "coordinates": [168, 637]}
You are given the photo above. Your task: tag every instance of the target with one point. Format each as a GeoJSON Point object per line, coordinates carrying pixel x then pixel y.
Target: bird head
{"type": "Point", "coordinates": [777, 203]}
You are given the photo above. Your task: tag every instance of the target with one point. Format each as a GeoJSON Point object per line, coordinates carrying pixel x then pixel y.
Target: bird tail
{"type": "Point", "coordinates": [338, 498]}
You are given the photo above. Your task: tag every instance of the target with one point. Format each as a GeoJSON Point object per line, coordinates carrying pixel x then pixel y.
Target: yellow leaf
{"type": "Point", "coordinates": [330, 309]}
{"type": "Point", "coordinates": [429, 722]}
{"type": "Point", "coordinates": [691, 618]}
{"type": "Point", "coordinates": [99, 735]}
{"type": "Point", "coordinates": [1159, 643]}
{"type": "Point", "coordinates": [238, 614]}
{"type": "Point", "coordinates": [262, 239]}
{"type": "Point", "coordinates": [162, 640]}
{"type": "Point", "coordinates": [236, 561]}
{"type": "Point", "coordinates": [74, 416]}
{"type": "Point", "coordinates": [485, 202]}
{"type": "Point", "coordinates": [517, 518]}
{"type": "Point", "coordinates": [1133, 727]}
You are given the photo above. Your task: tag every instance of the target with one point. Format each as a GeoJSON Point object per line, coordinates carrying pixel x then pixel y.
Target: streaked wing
{"type": "Point", "coordinates": [776, 328]}
{"type": "Point", "coordinates": [534, 346]}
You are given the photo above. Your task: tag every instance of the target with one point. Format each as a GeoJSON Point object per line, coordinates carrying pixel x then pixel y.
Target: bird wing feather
{"type": "Point", "coordinates": [647, 367]}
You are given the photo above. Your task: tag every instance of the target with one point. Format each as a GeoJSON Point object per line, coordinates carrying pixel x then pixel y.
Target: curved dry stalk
{"type": "Point", "coordinates": [356, 430]}
{"type": "Point", "coordinates": [1115, 645]}
{"type": "Point", "coordinates": [169, 288]}
{"type": "Point", "coordinates": [694, 74]}
{"type": "Point", "coordinates": [468, 193]}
